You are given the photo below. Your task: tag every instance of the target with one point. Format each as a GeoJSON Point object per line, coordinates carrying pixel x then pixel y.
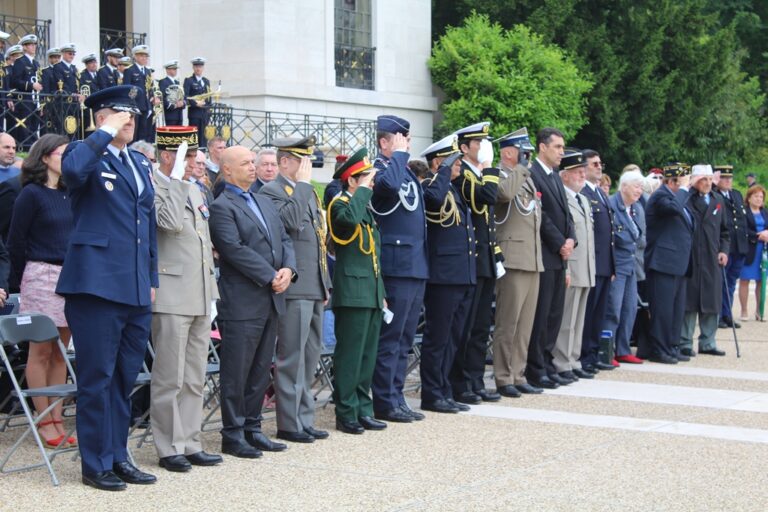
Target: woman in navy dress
{"type": "Point", "coordinates": [757, 232]}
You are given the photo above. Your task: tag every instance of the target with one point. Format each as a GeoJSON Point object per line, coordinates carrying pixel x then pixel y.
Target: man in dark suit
{"type": "Point", "coordinates": [667, 263]}
{"type": "Point", "coordinates": [108, 280]}
{"type": "Point", "coordinates": [597, 302]}
{"type": "Point", "coordinates": [195, 85]}
{"type": "Point", "coordinates": [257, 265]}
{"type": "Point", "coordinates": [172, 110]}
{"type": "Point", "coordinates": [558, 239]}
{"type": "Point", "coordinates": [736, 217]}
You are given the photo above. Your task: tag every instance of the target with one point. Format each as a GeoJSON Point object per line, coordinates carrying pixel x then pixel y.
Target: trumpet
{"type": "Point", "coordinates": [210, 94]}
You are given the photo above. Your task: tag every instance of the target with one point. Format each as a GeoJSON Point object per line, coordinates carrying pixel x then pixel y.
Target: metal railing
{"type": "Point", "coordinates": [19, 26]}
{"type": "Point", "coordinates": [355, 66]}
{"type": "Point", "coordinates": [109, 38]}
{"type": "Point", "coordinates": [27, 116]}
{"type": "Point", "coordinates": [258, 128]}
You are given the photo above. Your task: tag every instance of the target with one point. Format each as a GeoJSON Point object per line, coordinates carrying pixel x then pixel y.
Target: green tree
{"type": "Point", "coordinates": [508, 77]}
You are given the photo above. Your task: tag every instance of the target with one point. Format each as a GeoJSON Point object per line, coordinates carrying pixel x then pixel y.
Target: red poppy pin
{"type": "Point", "coordinates": [717, 208]}
{"type": "Point", "coordinates": [538, 195]}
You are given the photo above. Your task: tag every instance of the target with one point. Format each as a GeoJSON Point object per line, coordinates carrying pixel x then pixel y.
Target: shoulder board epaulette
{"type": "Point", "coordinates": [344, 198]}
{"type": "Point", "coordinates": [470, 175]}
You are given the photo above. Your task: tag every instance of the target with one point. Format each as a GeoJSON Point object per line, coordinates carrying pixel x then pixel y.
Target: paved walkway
{"type": "Point", "coordinates": [688, 437]}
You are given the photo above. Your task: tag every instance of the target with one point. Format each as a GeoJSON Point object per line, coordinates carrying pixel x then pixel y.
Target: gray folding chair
{"type": "Point", "coordinates": [9, 401]}
{"type": "Point", "coordinates": [324, 374]}
{"type": "Point", "coordinates": [34, 328]}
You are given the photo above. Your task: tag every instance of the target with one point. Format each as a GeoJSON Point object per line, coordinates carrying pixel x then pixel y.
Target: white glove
{"type": "Point", "coordinates": [485, 153]}
{"type": "Point", "coordinates": [177, 173]}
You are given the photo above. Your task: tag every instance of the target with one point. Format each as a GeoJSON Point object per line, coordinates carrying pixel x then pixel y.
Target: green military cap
{"type": "Point", "coordinates": [359, 163]}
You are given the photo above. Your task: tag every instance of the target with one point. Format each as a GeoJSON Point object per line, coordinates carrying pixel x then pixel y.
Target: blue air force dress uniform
{"type": "Point", "coordinates": [107, 277]}
{"type": "Point", "coordinates": [107, 75]}
{"type": "Point", "coordinates": [141, 77]}
{"type": "Point", "coordinates": [667, 263]}
{"type": "Point", "coordinates": [174, 115]}
{"type": "Point", "coordinates": [479, 188]}
{"type": "Point", "coordinates": [398, 204]}
{"type": "Point", "coordinates": [194, 86]}
{"type": "Point", "coordinates": [25, 69]}
{"type": "Point", "coordinates": [736, 217]}
{"type": "Point", "coordinates": [452, 276]}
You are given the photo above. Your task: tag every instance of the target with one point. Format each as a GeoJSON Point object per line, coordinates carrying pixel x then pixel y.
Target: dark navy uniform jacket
{"type": "Point", "coordinates": [112, 251]}
{"type": "Point", "coordinates": [106, 77]}
{"type": "Point", "coordinates": [605, 263]}
{"type": "Point", "coordinates": [173, 116]}
{"type": "Point", "coordinates": [90, 81]}
{"type": "Point", "coordinates": [669, 234]}
{"type": "Point", "coordinates": [452, 258]}
{"type": "Point", "coordinates": [403, 232]}
{"type": "Point", "coordinates": [23, 70]}
{"type": "Point", "coordinates": [67, 73]}
{"type": "Point", "coordinates": [480, 194]}
{"type": "Point", "coordinates": [194, 88]}
{"type": "Point", "coordinates": [133, 76]}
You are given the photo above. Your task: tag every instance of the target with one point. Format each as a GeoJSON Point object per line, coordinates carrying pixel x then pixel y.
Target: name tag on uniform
{"type": "Point", "coordinates": [109, 175]}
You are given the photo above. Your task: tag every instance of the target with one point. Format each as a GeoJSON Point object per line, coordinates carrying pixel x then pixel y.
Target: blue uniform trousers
{"type": "Point", "coordinates": [732, 272]}
{"type": "Point", "coordinates": [404, 298]}
{"type": "Point", "coordinates": [447, 310]}
{"type": "Point", "coordinates": [110, 341]}
{"type": "Point", "coordinates": [597, 303]}
{"type": "Point", "coordinates": [621, 311]}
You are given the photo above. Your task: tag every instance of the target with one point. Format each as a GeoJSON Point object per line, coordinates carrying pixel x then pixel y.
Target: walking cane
{"type": "Point", "coordinates": [730, 308]}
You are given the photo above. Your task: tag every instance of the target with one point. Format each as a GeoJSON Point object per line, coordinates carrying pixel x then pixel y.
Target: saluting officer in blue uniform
{"type": "Point", "coordinates": [108, 279]}
{"type": "Point", "coordinates": [452, 275]}
{"type": "Point", "coordinates": [398, 204]}
{"type": "Point", "coordinates": [479, 185]}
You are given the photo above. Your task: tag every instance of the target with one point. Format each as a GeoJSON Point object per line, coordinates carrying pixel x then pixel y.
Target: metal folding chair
{"type": "Point", "coordinates": [324, 374]}
{"type": "Point", "coordinates": [34, 328]}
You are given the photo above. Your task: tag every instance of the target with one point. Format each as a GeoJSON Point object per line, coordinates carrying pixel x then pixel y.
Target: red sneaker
{"type": "Point", "coordinates": [615, 363]}
{"type": "Point", "coordinates": [629, 359]}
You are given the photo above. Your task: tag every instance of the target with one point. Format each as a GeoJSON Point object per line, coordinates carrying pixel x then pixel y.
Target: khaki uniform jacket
{"type": "Point", "coordinates": [581, 264]}
{"type": "Point", "coordinates": [517, 231]}
{"type": "Point", "coordinates": [185, 255]}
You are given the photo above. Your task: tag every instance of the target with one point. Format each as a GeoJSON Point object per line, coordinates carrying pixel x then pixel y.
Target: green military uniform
{"type": "Point", "coordinates": [357, 300]}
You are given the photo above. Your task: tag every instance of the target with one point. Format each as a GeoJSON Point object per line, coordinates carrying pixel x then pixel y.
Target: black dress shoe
{"type": "Point", "coordinates": [349, 427]}
{"type": "Point", "coordinates": [468, 397]}
{"type": "Point", "coordinates": [583, 374]}
{"type": "Point", "coordinates": [204, 459]}
{"type": "Point", "coordinates": [488, 396]}
{"type": "Point", "coordinates": [417, 416]}
{"type": "Point", "coordinates": [590, 368]}
{"type": "Point", "coordinates": [528, 389]}
{"type": "Point", "coordinates": [242, 450]}
{"type": "Point", "coordinates": [663, 359]}
{"type": "Point", "coordinates": [560, 380]}
{"type": "Point", "coordinates": [682, 357]}
{"type": "Point", "coordinates": [569, 375]}
{"type": "Point", "coordinates": [395, 415]}
{"type": "Point", "coordinates": [263, 443]}
{"type": "Point", "coordinates": [439, 406]}
{"type": "Point", "coordinates": [712, 352]}
{"type": "Point", "coordinates": [544, 383]}
{"type": "Point", "coordinates": [295, 437]}
{"type": "Point", "coordinates": [105, 481]}
{"type": "Point", "coordinates": [369, 423]}
{"type": "Point", "coordinates": [130, 474]}
{"type": "Point", "coordinates": [175, 463]}
{"type": "Point", "coordinates": [317, 434]}
{"type": "Point", "coordinates": [509, 391]}
{"type": "Point", "coordinates": [722, 325]}
{"type": "Point", "coordinates": [604, 366]}
{"type": "Point", "coordinates": [688, 352]}
{"type": "Point", "coordinates": [460, 407]}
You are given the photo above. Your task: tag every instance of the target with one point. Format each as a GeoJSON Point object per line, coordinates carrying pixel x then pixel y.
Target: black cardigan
{"type": "Point", "coordinates": [752, 233]}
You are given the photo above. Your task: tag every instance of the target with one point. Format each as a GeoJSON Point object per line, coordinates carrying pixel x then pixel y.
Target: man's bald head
{"type": "Point", "coordinates": [238, 166]}
{"type": "Point", "coordinates": [7, 150]}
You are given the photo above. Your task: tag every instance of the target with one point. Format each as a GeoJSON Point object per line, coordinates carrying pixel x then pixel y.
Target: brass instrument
{"type": "Point", "coordinates": [210, 94]}
{"type": "Point", "coordinates": [158, 107]}
{"type": "Point", "coordinates": [85, 91]}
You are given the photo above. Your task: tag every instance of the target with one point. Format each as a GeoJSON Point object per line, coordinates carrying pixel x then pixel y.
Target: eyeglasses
{"type": "Point", "coordinates": [598, 164]}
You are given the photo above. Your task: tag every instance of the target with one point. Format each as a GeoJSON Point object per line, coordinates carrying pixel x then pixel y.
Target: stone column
{"type": "Point", "coordinates": [74, 21]}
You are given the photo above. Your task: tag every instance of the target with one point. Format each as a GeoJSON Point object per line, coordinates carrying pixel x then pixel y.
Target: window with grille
{"type": "Point", "coordinates": [355, 54]}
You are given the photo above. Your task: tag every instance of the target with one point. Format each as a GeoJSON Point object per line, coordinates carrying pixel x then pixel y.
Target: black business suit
{"type": "Point", "coordinates": [556, 227]}
{"type": "Point", "coordinates": [249, 256]}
